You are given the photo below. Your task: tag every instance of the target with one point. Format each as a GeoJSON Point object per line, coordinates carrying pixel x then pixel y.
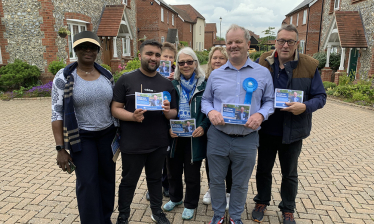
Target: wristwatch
{"type": "Point", "coordinates": [59, 147]}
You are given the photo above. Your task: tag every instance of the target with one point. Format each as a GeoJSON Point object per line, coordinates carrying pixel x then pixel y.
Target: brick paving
{"type": "Point", "coordinates": [336, 172]}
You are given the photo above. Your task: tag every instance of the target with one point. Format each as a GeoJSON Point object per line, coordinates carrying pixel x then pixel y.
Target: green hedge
{"type": "Point", "coordinates": [17, 74]}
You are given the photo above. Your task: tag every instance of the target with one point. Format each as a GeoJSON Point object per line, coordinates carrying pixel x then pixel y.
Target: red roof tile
{"type": "Point", "coordinates": [110, 21]}
{"type": "Point", "coordinates": [350, 29]}
{"type": "Point", "coordinates": [191, 11]}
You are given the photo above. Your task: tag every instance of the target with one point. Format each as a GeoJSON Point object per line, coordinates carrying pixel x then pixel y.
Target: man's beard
{"type": "Point", "coordinates": [147, 67]}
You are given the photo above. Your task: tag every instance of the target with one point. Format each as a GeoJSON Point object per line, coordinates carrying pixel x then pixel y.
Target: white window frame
{"type": "Point", "coordinates": [304, 16]}
{"type": "Point", "coordinates": [80, 25]}
{"type": "Point", "coordinates": [172, 19]}
{"type": "Point", "coordinates": [126, 48]}
{"type": "Point", "coordinates": [162, 39]}
{"type": "Point", "coordinates": [1, 57]}
{"type": "Point", "coordinates": [336, 4]}
{"type": "Point", "coordinates": [162, 14]}
{"type": "Point", "coordinates": [167, 16]}
{"type": "Point", "coordinates": [200, 30]}
{"type": "Point", "coordinates": [190, 27]}
{"type": "Point", "coordinates": [124, 2]}
{"type": "Point", "coordinates": [302, 46]}
{"type": "Point", "coordinates": [297, 20]}
{"type": "Point", "coordinates": [291, 19]}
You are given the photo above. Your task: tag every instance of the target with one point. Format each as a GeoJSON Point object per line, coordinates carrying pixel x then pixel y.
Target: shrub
{"type": "Point", "coordinates": [130, 66]}
{"type": "Point", "coordinates": [55, 66]}
{"type": "Point", "coordinates": [203, 57]}
{"type": "Point", "coordinates": [330, 91]}
{"type": "Point", "coordinates": [107, 67]}
{"type": "Point", "coordinates": [344, 80]}
{"type": "Point", "coordinates": [328, 84]}
{"type": "Point", "coordinates": [321, 57]}
{"type": "Point", "coordinates": [255, 55]}
{"type": "Point", "coordinates": [334, 61]}
{"type": "Point", "coordinates": [40, 91]}
{"type": "Point", "coordinates": [17, 74]}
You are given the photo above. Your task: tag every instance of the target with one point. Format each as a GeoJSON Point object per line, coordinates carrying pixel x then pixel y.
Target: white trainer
{"type": "Point", "coordinates": [227, 201]}
{"type": "Point", "coordinates": [206, 199]}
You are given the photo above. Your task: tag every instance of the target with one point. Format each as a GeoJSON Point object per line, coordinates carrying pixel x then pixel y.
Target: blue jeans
{"type": "Point", "coordinates": [288, 157]}
{"type": "Point", "coordinates": [95, 172]}
{"type": "Point", "coordinates": [241, 152]}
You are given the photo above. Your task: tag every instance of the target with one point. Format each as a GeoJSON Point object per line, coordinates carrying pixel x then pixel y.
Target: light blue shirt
{"type": "Point", "coordinates": [225, 85]}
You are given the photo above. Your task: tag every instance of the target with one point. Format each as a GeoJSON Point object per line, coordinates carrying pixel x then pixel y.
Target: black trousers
{"type": "Point", "coordinates": [96, 173]}
{"type": "Point", "coordinates": [228, 176]}
{"type": "Point", "coordinates": [132, 166]}
{"type": "Point", "coordinates": [288, 157]}
{"type": "Point", "coordinates": [182, 162]}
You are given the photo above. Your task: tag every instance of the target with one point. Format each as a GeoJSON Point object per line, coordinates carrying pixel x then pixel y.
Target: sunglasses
{"type": "Point", "coordinates": [181, 63]}
{"type": "Point", "coordinates": [86, 47]}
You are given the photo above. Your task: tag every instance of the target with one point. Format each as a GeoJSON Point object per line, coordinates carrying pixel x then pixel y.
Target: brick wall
{"type": "Point", "coordinates": [149, 21]}
{"type": "Point", "coordinates": [314, 27]}
{"type": "Point", "coordinates": [184, 33]}
{"type": "Point", "coordinates": [3, 42]}
{"type": "Point", "coordinates": [209, 39]}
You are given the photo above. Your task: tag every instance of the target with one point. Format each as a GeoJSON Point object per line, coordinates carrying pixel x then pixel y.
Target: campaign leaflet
{"type": "Point", "coordinates": [282, 96]}
{"type": "Point", "coordinates": [165, 68]}
{"type": "Point", "coordinates": [235, 113]}
{"type": "Point", "coordinates": [149, 101]}
{"type": "Point", "coordinates": [183, 128]}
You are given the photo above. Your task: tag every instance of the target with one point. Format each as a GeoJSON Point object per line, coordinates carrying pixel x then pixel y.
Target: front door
{"type": "Point", "coordinates": [353, 64]}
{"type": "Point", "coordinates": [107, 50]}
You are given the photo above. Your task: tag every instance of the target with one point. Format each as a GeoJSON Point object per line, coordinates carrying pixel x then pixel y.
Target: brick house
{"type": "Point", "coordinates": [154, 19]}
{"type": "Point", "coordinates": [307, 19]}
{"type": "Point", "coordinates": [198, 25]}
{"type": "Point", "coordinates": [348, 28]}
{"type": "Point", "coordinates": [210, 35]}
{"type": "Point", "coordinates": [29, 29]}
{"type": "Point", "coordinates": [185, 24]}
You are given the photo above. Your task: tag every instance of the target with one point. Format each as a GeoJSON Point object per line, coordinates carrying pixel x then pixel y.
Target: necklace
{"type": "Point", "coordinates": [87, 73]}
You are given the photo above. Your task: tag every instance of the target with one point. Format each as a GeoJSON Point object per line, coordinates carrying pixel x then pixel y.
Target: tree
{"type": "Point", "coordinates": [219, 38]}
{"type": "Point", "coordinates": [270, 35]}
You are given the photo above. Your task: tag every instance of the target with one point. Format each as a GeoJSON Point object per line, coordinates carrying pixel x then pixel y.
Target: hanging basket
{"type": "Point", "coordinates": [62, 35]}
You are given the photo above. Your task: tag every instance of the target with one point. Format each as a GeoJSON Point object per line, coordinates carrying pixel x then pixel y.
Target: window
{"type": "Point", "coordinates": [297, 20]}
{"type": "Point", "coordinates": [74, 27]}
{"type": "Point", "coordinates": [291, 20]}
{"type": "Point", "coordinates": [162, 39]}
{"type": "Point", "coordinates": [200, 30]}
{"type": "Point", "coordinates": [305, 15]}
{"type": "Point", "coordinates": [162, 14]}
{"type": "Point", "coordinates": [172, 19]}
{"type": "Point", "coordinates": [302, 47]}
{"type": "Point", "coordinates": [336, 4]}
{"type": "Point", "coordinates": [167, 17]}
{"type": "Point", "coordinates": [124, 2]}
{"type": "Point", "coordinates": [190, 28]}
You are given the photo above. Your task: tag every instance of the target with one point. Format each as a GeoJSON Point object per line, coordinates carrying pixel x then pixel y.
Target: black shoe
{"type": "Point", "coordinates": [147, 196]}
{"type": "Point", "coordinates": [258, 212]}
{"type": "Point", "coordinates": [160, 218]}
{"type": "Point", "coordinates": [288, 218]}
{"type": "Point", "coordinates": [122, 219]}
{"type": "Point", "coordinates": [166, 193]}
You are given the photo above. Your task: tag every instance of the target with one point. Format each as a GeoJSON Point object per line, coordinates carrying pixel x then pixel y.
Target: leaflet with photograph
{"type": "Point", "coordinates": [283, 96]}
{"type": "Point", "coordinates": [149, 101]}
{"type": "Point", "coordinates": [235, 113]}
{"type": "Point", "coordinates": [115, 146]}
{"type": "Point", "coordinates": [183, 128]}
{"type": "Point", "coordinates": [165, 68]}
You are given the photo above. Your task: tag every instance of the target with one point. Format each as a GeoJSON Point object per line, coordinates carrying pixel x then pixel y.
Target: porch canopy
{"type": "Point", "coordinates": [114, 23]}
{"type": "Point", "coordinates": [346, 31]}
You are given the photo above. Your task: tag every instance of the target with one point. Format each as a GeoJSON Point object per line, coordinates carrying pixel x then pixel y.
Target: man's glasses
{"type": "Point", "coordinates": [86, 47]}
{"type": "Point", "coordinates": [181, 63]}
{"type": "Point", "coordinates": [289, 42]}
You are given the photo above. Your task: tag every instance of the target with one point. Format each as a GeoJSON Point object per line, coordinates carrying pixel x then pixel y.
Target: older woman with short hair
{"type": "Point", "coordinates": [187, 153]}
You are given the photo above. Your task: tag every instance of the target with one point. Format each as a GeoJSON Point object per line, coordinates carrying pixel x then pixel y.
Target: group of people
{"type": "Point", "coordinates": [88, 108]}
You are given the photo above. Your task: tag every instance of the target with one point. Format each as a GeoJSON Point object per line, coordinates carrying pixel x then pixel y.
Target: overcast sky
{"type": "Point", "coordinates": [253, 15]}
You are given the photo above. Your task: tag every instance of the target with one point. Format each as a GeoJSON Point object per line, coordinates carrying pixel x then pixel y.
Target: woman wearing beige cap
{"type": "Point", "coordinates": [82, 124]}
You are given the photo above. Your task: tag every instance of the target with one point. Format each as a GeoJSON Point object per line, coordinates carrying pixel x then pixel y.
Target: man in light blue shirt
{"type": "Point", "coordinates": [229, 142]}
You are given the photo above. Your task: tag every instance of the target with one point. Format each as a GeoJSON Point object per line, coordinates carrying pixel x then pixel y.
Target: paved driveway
{"type": "Point", "coordinates": [336, 171]}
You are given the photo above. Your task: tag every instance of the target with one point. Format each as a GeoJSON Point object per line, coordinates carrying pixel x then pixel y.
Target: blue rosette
{"type": "Point", "coordinates": [249, 85]}
{"type": "Point", "coordinates": [167, 96]}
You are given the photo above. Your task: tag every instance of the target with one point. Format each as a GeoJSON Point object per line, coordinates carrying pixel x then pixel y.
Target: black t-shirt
{"type": "Point", "coordinates": [153, 132]}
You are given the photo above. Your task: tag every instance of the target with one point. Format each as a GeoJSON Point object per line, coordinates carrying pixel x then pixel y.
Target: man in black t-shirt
{"type": "Point", "coordinates": [144, 134]}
